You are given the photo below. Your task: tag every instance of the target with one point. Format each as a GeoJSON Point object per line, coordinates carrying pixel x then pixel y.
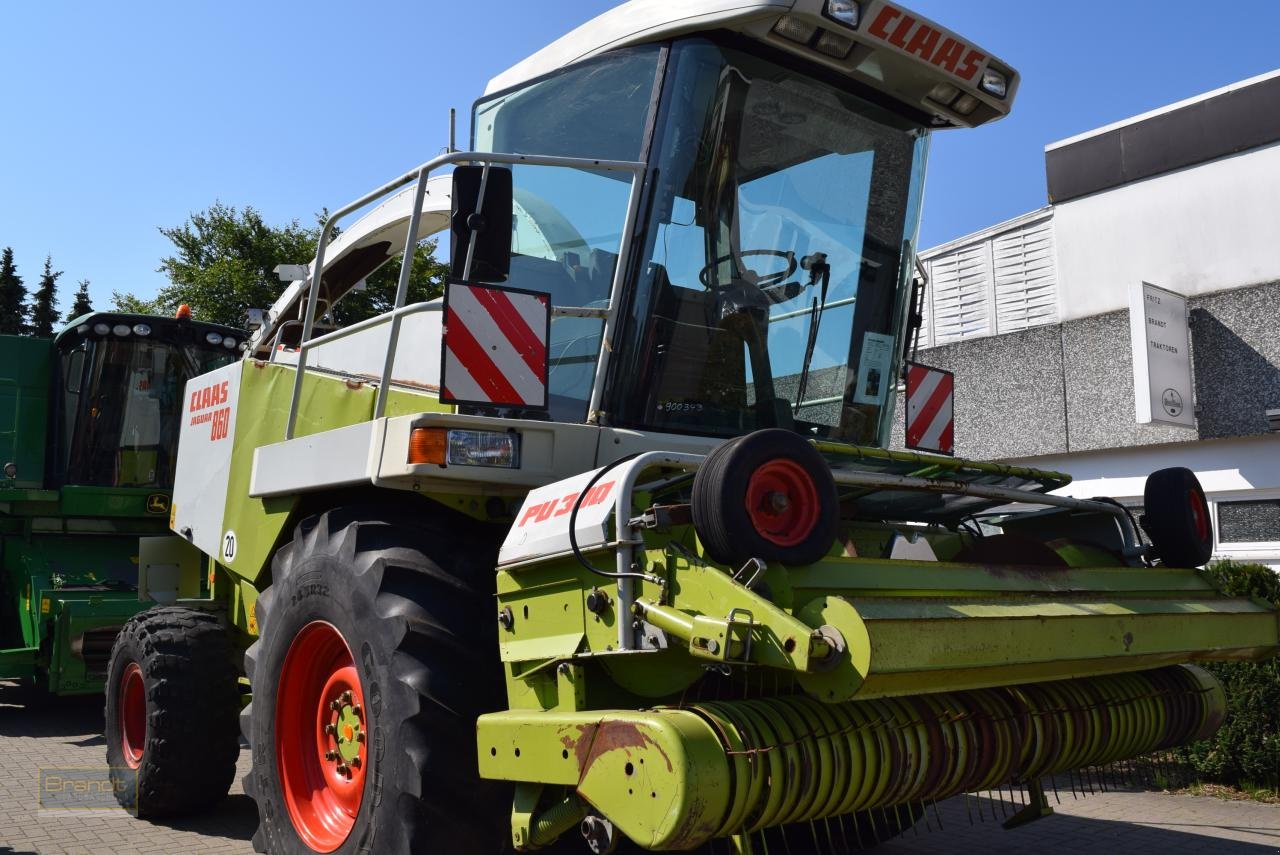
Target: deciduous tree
{"type": "Point", "coordinates": [223, 264]}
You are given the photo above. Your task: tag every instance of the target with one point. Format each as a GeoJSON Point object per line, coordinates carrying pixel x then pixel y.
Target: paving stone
{"type": "Point", "coordinates": [67, 735]}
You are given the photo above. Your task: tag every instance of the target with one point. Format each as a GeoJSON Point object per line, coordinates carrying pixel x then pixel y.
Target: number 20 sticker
{"type": "Point", "coordinates": [229, 547]}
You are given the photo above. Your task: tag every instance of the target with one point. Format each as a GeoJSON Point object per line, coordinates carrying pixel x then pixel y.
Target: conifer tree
{"type": "Point", "coordinates": [13, 307]}
{"type": "Point", "coordinates": [44, 311]}
{"type": "Point", "coordinates": [81, 306]}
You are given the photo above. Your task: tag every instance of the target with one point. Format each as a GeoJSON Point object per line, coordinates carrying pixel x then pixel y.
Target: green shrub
{"type": "Point", "coordinates": [1246, 751]}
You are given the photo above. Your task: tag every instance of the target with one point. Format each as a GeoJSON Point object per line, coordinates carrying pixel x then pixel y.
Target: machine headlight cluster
{"type": "Point", "coordinates": [229, 343]}
{"type": "Point", "coordinates": [141, 329]}
{"type": "Point", "coordinates": [121, 330]}
{"type": "Point", "coordinates": [213, 338]}
{"type": "Point", "coordinates": [455, 447]}
{"type": "Point", "coordinates": [949, 96]}
{"type": "Point", "coordinates": [101, 328]}
{"type": "Point", "coordinates": [846, 13]}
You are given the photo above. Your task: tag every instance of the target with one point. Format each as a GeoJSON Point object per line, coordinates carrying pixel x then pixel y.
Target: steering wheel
{"type": "Point", "coordinates": [765, 281]}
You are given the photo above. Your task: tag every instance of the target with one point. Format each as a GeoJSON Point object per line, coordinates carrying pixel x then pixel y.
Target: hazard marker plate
{"type": "Point", "coordinates": [930, 417]}
{"type": "Point", "coordinates": [495, 346]}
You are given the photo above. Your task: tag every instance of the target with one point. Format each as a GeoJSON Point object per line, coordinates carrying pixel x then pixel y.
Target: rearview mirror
{"type": "Point", "coordinates": [482, 219]}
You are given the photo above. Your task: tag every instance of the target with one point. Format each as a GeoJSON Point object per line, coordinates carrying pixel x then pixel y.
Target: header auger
{"type": "Point", "coordinates": [608, 547]}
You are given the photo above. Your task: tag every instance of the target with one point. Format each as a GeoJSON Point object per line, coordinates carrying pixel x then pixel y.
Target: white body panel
{"type": "Point", "coordinates": [204, 459]}
{"type": "Point", "coordinates": [341, 457]}
{"type": "Point", "coordinates": [362, 354]}
{"type": "Point", "coordinates": [633, 23]}
{"type": "Point", "coordinates": [541, 527]}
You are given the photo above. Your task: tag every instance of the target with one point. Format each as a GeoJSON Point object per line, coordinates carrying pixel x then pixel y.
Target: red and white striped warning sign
{"type": "Point", "coordinates": [495, 346]}
{"type": "Point", "coordinates": [930, 420]}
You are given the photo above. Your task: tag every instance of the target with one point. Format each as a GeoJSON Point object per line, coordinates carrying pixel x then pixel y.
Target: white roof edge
{"type": "Point", "coordinates": [989, 232]}
{"type": "Point", "coordinates": [1168, 108]}
{"type": "Point", "coordinates": [634, 22]}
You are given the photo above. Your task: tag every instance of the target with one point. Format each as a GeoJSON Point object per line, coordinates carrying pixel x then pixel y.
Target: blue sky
{"type": "Point", "coordinates": [120, 118]}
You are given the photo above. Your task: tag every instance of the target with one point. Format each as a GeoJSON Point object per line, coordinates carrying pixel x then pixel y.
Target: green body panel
{"type": "Point", "coordinates": [261, 416]}
{"type": "Point", "coordinates": [262, 412]}
{"type": "Point", "coordinates": [25, 365]}
{"type": "Point", "coordinates": [662, 776]}
{"type": "Point", "coordinates": [64, 583]}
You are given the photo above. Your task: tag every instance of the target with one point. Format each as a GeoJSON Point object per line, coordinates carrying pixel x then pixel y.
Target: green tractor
{"type": "Point", "coordinates": [89, 425]}
{"type": "Point", "coordinates": [608, 548]}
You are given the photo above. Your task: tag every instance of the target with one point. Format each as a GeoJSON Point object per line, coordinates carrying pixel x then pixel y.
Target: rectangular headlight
{"type": "Point", "coordinates": [834, 45]}
{"type": "Point", "coordinates": [457, 447]}
{"type": "Point", "coordinates": [795, 29]}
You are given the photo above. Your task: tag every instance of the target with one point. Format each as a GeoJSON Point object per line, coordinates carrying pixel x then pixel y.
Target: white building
{"type": "Point", "coordinates": [1032, 314]}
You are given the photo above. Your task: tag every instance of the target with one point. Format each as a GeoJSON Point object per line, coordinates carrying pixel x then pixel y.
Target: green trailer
{"type": "Point", "coordinates": [88, 441]}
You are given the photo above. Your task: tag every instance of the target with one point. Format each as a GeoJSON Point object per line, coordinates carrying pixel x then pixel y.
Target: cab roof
{"type": "Point", "coordinates": [921, 64]}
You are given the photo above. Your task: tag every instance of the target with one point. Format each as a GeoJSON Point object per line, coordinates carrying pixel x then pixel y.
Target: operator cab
{"type": "Point", "coordinates": [770, 271]}
{"type": "Point", "coordinates": [118, 397]}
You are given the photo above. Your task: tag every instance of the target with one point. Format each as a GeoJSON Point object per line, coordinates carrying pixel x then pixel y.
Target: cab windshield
{"type": "Point", "coordinates": [567, 223]}
{"type": "Point", "coordinates": [122, 403]}
{"type": "Point", "coordinates": [777, 256]}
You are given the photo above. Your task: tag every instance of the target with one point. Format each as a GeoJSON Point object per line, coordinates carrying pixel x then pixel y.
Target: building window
{"type": "Point", "coordinates": [1249, 522]}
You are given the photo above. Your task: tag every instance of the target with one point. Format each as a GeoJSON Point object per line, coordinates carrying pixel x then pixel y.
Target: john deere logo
{"type": "Point", "coordinates": [157, 503]}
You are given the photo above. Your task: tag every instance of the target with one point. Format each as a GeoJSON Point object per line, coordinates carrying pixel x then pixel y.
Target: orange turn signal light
{"type": "Point", "coordinates": [428, 445]}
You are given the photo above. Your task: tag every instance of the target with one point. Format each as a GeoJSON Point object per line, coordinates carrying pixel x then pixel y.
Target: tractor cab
{"type": "Point", "coordinates": [118, 400]}
{"type": "Point", "coordinates": [769, 262]}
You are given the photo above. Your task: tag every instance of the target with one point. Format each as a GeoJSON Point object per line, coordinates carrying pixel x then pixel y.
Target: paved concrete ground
{"type": "Point", "coordinates": [67, 736]}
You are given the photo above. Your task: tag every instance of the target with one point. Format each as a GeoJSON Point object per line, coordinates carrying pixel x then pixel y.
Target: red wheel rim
{"type": "Point", "coordinates": [783, 502]}
{"type": "Point", "coordinates": [1199, 513]}
{"type": "Point", "coordinates": [132, 706]}
{"type": "Point", "coordinates": [320, 736]}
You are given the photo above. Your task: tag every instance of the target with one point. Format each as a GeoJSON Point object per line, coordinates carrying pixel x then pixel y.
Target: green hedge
{"type": "Point", "coordinates": [1246, 751]}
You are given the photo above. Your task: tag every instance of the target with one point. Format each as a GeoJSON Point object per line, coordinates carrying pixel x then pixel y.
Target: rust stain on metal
{"type": "Point", "coordinates": [581, 747]}
{"type": "Point", "coordinates": [619, 735]}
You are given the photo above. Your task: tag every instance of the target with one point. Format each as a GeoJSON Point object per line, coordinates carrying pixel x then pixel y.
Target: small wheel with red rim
{"type": "Point", "coordinates": [1176, 517]}
{"type": "Point", "coordinates": [766, 495]}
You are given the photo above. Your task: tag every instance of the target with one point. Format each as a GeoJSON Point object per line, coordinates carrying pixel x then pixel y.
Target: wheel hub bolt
{"type": "Point", "coordinates": [355, 762]}
{"type": "Point", "coordinates": [356, 710]}
{"type": "Point", "coordinates": [359, 736]}
{"type": "Point", "coordinates": [346, 697]}
{"type": "Point", "coordinates": [331, 755]}
{"type": "Point", "coordinates": [779, 502]}
{"type": "Point", "coordinates": [330, 729]}
{"type": "Point", "coordinates": [335, 705]}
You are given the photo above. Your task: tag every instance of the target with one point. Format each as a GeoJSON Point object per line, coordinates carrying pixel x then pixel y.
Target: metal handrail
{"type": "Point", "coordinates": [420, 174]}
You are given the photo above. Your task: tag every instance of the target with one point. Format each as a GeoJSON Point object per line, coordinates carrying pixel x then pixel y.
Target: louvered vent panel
{"type": "Point", "coordinates": [1026, 278]}
{"type": "Point", "coordinates": [961, 287]}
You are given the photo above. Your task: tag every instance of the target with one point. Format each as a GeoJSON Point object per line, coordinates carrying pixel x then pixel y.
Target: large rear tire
{"type": "Point", "coordinates": [377, 652]}
{"type": "Point", "coordinates": [172, 700]}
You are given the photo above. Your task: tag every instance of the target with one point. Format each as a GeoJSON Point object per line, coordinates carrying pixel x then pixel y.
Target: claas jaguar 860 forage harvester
{"type": "Point", "coordinates": [607, 548]}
